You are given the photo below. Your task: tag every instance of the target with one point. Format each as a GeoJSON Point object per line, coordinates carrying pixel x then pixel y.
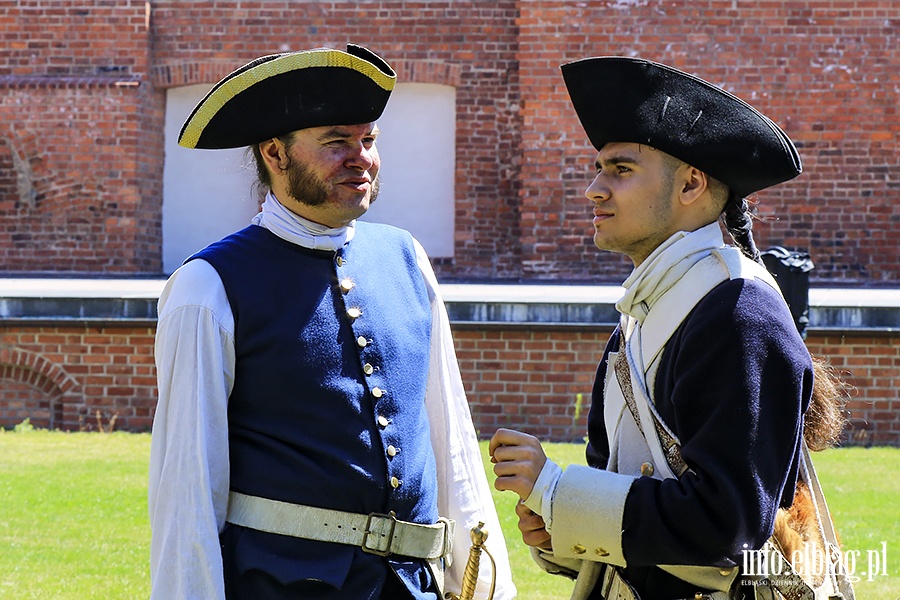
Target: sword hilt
{"type": "Point", "coordinates": [470, 576]}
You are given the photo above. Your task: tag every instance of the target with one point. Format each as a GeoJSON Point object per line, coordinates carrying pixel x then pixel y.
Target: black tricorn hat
{"type": "Point", "coordinates": [620, 99]}
{"type": "Point", "coordinates": [274, 95]}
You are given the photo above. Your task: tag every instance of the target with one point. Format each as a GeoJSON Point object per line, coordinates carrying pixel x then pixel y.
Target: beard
{"type": "Point", "coordinates": [304, 187]}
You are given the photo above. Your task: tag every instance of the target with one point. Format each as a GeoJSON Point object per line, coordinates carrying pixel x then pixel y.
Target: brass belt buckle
{"type": "Point", "coordinates": [390, 535]}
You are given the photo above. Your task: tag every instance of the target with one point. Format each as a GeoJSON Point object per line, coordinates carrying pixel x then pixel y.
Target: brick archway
{"type": "Point", "coordinates": [33, 388]}
{"type": "Point", "coordinates": [428, 71]}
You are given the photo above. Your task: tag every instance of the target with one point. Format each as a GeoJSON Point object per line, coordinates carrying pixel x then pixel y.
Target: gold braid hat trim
{"type": "Point", "coordinates": [240, 81]}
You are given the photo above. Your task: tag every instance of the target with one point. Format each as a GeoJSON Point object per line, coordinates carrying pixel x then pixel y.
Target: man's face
{"type": "Point", "coordinates": [332, 177]}
{"type": "Point", "coordinates": [634, 199]}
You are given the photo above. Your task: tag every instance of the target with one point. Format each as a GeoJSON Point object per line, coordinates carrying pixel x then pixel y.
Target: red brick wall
{"type": "Point", "coordinates": [80, 140]}
{"type": "Point", "coordinates": [81, 156]}
{"type": "Point", "coordinates": [77, 377]}
{"type": "Point", "coordinates": [514, 377]}
{"type": "Point", "coordinates": [82, 98]}
{"type": "Point", "coordinates": [870, 366]}
{"type": "Point", "coordinates": [827, 71]}
{"type": "Point", "coordinates": [529, 380]}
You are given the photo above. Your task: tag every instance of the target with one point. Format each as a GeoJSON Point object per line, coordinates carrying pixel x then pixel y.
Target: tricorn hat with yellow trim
{"type": "Point", "coordinates": [620, 99]}
{"type": "Point", "coordinates": [277, 94]}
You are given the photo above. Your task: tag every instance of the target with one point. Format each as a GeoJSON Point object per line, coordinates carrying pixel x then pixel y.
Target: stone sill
{"type": "Point", "coordinates": [130, 302]}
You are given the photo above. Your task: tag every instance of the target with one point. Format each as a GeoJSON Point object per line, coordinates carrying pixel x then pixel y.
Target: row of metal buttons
{"type": "Point", "coordinates": [346, 285]}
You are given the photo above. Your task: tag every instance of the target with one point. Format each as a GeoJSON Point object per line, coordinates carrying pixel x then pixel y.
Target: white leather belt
{"type": "Point", "coordinates": [376, 533]}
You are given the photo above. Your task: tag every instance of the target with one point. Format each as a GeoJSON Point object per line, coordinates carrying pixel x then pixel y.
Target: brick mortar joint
{"type": "Point", "coordinates": [66, 81]}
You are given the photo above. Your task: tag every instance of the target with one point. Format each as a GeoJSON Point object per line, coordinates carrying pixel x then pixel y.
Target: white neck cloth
{"type": "Point", "coordinates": [664, 267]}
{"type": "Point", "coordinates": [293, 228]}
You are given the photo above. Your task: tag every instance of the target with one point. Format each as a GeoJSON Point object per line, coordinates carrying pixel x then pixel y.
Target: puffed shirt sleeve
{"type": "Point", "coordinates": [464, 494]}
{"type": "Point", "coordinates": [189, 471]}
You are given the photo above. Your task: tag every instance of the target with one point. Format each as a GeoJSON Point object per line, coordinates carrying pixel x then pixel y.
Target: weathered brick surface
{"type": "Point", "coordinates": [80, 139]}
{"type": "Point", "coordinates": [77, 377]}
{"type": "Point", "coordinates": [84, 90]}
{"type": "Point", "coordinates": [870, 366]}
{"type": "Point", "coordinates": [826, 71]}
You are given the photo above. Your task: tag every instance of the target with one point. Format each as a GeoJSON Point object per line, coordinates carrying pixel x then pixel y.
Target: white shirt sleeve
{"type": "Point", "coordinates": [189, 469]}
{"type": "Point", "coordinates": [464, 494]}
{"type": "Point", "coordinates": [540, 500]}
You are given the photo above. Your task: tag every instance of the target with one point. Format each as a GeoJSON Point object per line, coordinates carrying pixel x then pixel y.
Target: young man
{"type": "Point", "coordinates": [312, 438]}
{"type": "Point", "coordinates": [695, 425]}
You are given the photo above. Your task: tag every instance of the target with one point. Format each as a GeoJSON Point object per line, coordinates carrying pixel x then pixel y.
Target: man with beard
{"type": "Point", "coordinates": [309, 397]}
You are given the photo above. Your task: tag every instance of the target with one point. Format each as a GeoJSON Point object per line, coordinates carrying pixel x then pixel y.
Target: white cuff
{"type": "Point", "coordinates": [541, 498]}
{"type": "Point", "coordinates": [588, 510]}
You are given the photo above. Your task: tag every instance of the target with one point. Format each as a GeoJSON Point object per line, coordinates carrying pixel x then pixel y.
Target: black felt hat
{"type": "Point", "coordinates": [621, 99]}
{"type": "Point", "coordinates": [277, 94]}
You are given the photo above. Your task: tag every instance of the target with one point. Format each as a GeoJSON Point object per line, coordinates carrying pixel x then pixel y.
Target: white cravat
{"type": "Point", "coordinates": [664, 267]}
{"type": "Point", "coordinates": [295, 229]}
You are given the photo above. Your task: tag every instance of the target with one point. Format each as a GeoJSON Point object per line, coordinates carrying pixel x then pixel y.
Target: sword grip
{"type": "Point", "coordinates": [473, 564]}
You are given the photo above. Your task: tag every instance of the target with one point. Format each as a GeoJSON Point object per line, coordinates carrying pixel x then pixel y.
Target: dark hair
{"type": "Point", "coordinates": [263, 177]}
{"type": "Point", "coordinates": [738, 220]}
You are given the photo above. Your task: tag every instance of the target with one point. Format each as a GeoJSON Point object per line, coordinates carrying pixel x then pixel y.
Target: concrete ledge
{"type": "Point", "coordinates": [133, 302]}
{"type": "Point", "coordinates": [532, 305]}
{"type": "Point", "coordinates": [79, 301]}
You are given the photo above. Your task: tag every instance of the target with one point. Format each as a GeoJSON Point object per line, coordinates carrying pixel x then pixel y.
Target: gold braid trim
{"type": "Point", "coordinates": [669, 444]}
{"type": "Point", "coordinates": [241, 80]}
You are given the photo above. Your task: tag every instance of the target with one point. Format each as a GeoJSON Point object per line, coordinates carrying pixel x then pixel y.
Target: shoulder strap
{"type": "Point", "coordinates": [660, 441]}
{"type": "Point", "coordinates": [665, 318]}
{"type": "Point", "coordinates": [662, 321]}
{"type": "Point", "coordinates": [834, 561]}
{"type": "Point", "coordinates": [726, 263]}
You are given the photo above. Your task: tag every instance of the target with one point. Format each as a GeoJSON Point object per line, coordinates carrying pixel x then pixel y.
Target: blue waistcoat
{"type": "Point", "coordinates": [332, 354]}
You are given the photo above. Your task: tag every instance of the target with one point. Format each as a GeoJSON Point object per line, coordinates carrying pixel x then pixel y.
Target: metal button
{"type": "Point", "coordinates": [339, 260]}
{"type": "Point", "coordinates": [377, 392]}
{"type": "Point", "coordinates": [368, 369]}
{"type": "Point", "coordinates": [647, 469]}
{"type": "Point", "coordinates": [383, 421]}
{"type": "Point", "coordinates": [354, 313]}
{"type": "Point", "coordinates": [362, 342]}
{"type": "Point", "coordinates": [395, 483]}
{"type": "Point", "coordinates": [346, 285]}
{"type": "Point", "coordinates": [725, 572]}
{"type": "Point", "coordinates": [579, 549]}
{"type": "Point", "coordinates": [391, 451]}
{"type": "Point", "coordinates": [601, 552]}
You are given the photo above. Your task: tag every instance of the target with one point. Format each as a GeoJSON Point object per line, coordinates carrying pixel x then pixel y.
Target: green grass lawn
{"type": "Point", "coordinates": [73, 517]}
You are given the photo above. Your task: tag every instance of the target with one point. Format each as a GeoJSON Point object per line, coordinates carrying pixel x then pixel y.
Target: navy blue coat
{"type": "Point", "coordinates": [733, 383]}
